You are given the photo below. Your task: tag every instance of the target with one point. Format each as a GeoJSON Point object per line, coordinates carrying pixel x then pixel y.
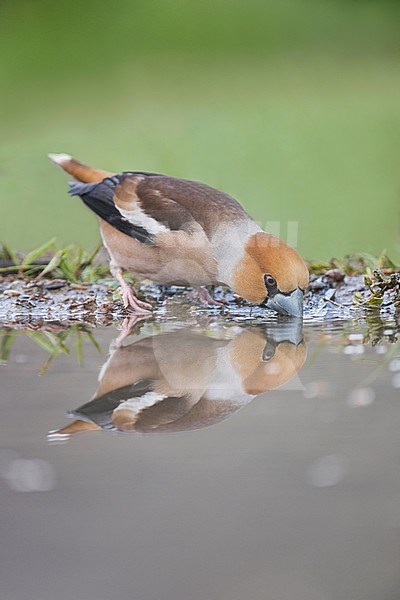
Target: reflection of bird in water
{"type": "Point", "coordinates": [187, 380]}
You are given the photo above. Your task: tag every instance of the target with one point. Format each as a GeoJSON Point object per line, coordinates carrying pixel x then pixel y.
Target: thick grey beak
{"type": "Point", "coordinates": [289, 305]}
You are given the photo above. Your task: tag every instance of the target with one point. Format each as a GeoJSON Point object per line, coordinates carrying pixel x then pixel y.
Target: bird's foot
{"type": "Point", "coordinates": [205, 297]}
{"type": "Point", "coordinates": [130, 301]}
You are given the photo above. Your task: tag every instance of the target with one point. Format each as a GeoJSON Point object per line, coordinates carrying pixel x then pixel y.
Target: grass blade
{"type": "Point", "coordinates": [53, 264]}
{"type": "Point", "coordinates": [9, 253]}
{"type": "Point", "coordinates": [7, 341]}
{"type": "Point", "coordinates": [79, 346]}
{"type": "Point", "coordinates": [44, 342]}
{"type": "Point", "coordinates": [94, 341]}
{"type": "Point", "coordinates": [38, 252]}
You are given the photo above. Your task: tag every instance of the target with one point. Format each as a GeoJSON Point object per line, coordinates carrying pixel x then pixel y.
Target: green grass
{"type": "Point", "coordinates": [72, 263]}
{"type": "Point", "coordinates": [292, 107]}
{"type": "Point", "coordinates": [76, 265]}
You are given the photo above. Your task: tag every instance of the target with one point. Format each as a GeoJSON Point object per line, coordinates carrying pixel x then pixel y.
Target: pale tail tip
{"type": "Point", "coordinates": [59, 159]}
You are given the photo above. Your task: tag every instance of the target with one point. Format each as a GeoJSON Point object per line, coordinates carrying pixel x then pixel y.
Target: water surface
{"type": "Point", "coordinates": [209, 460]}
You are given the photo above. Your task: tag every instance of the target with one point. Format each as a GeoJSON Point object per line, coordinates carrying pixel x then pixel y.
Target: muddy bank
{"type": "Point", "coordinates": [25, 302]}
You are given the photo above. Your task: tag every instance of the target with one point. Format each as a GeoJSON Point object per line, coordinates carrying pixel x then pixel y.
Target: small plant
{"type": "Point", "coordinates": [356, 264]}
{"type": "Point", "coordinates": [72, 263]}
{"type": "Point", "coordinates": [382, 287]}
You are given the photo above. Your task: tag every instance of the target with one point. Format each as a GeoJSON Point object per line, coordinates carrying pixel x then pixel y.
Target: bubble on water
{"type": "Point", "coordinates": [394, 365]}
{"type": "Point", "coordinates": [33, 475]}
{"type": "Point", "coordinates": [326, 471]}
{"type": "Point", "coordinates": [354, 349]}
{"type": "Point", "coordinates": [361, 396]}
{"type": "Point", "coordinates": [381, 349]}
{"type": "Point", "coordinates": [388, 332]}
{"type": "Point", "coordinates": [396, 381]}
{"type": "Point", "coordinates": [315, 389]}
{"type": "Point", "coordinates": [356, 337]}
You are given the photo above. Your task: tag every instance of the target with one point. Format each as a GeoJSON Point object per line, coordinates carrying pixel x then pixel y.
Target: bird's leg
{"type": "Point", "coordinates": [205, 297]}
{"type": "Point", "coordinates": [127, 326]}
{"type": "Point", "coordinates": [128, 295]}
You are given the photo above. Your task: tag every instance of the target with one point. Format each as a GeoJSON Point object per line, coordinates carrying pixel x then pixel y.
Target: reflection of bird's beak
{"type": "Point", "coordinates": [290, 305]}
{"type": "Point", "coordinates": [290, 330]}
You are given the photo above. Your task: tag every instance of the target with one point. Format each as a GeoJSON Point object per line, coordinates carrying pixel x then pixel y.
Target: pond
{"type": "Point", "coordinates": [201, 459]}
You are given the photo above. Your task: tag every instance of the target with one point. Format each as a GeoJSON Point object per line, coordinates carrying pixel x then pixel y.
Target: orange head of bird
{"type": "Point", "coordinates": [271, 274]}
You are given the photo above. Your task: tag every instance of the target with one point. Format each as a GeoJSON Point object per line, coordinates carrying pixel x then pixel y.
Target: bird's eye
{"type": "Point", "coordinates": [268, 352]}
{"type": "Point", "coordinates": [270, 281]}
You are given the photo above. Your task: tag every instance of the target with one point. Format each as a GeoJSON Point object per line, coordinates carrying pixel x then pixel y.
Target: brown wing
{"type": "Point", "coordinates": [143, 205]}
{"type": "Point", "coordinates": [149, 206]}
{"type": "Point", "coordinates": [176, 203]}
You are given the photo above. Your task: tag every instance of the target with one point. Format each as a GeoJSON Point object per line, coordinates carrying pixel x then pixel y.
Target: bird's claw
{"type": "Point", "coordinates": [205, 298]}
{"type": "Point", "coordinates": [130, 301]}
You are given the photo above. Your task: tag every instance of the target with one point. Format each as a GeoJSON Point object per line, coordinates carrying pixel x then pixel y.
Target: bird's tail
{"type": "Point", "coordinates": [78, 170]}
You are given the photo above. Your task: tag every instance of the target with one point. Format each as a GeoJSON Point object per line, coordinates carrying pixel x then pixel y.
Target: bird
{"type": "Point", "coordinates": [187, 379]}
{"type": "Point", "coordinates": [178, 231]}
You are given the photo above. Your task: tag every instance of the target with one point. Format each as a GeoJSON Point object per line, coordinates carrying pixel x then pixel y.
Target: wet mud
{"type": "Point", "coordinates": [47, 303]}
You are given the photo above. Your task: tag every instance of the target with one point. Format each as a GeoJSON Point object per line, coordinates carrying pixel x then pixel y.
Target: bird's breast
{"type": "Point", "coordinates": [175, 258]}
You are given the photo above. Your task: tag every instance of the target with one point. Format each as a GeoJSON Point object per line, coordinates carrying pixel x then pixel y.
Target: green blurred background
{"type": "Point", "coordinates": [292, 106]}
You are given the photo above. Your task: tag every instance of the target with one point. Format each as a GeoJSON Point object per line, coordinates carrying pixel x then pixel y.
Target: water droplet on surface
{"type": "Point", "coordinates": [394, 365]}
{"type": "Point", "coordinates": [356, 337]}
{"type": "Point", "coordinates": [361, 396]}
{"type": "Point", "coordinates": [314, 389]}
{"type": "Point", "coordinates": [396, 381]}
{"type": "Point", "coordinates": [354, 349]}
{"type": "Point", "coordinates": [326, 471]}
{"type": "Point", "coordinates": [33, 475]}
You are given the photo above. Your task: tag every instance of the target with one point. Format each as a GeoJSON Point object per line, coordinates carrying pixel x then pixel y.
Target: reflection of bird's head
{"type": "Point", "coordinates": [271, 274]}
{"type": "Point", "coordinates": [264, 363]}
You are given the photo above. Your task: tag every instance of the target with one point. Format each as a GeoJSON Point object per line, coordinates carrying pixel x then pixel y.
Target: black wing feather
{"type": "Point", "coordinates": [99, 197]}
{"type": "Point", "coordinates": [100, 409]}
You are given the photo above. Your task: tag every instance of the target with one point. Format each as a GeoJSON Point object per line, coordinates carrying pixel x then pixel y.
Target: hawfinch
{"type": "Point", "coordinates": [186, 380]}
{"type": "Point", "coordinates": [175, 231]}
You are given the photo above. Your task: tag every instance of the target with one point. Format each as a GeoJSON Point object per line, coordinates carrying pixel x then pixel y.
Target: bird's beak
{"type": "Point", "coordinates": [290, 305]}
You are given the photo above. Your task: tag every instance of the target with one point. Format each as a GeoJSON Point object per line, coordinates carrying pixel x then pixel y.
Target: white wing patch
{"type": "Point", "coordinates": [138, 404]}
{"type": "Point", "coordinates": [137, 217]}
